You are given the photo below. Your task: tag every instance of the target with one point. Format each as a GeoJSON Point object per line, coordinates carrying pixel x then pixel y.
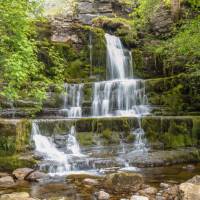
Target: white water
{"type": "Point", "coordinates": [72, 143]}
{"type": "Point", "coordinates": [118, 59]}
{"type": "Point", "coordinates": [140, 142]}
{"type": "Point", "coordinates": [45, 147]}
{"type": "Point", "coordinates": [121, 95]}
{"type": "Point", "coordinates": [72, 99]}
{"type": "Point", "coordinates": [120, 98]}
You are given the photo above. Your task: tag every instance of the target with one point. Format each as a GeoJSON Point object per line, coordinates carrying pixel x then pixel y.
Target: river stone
{"type": "Point", "coordinates": [149, 191]}
{"type": "Point", "coordinates": [164, 185]}
{"type": "Point", "coordinates": [6, 181]}
{"type": "Point", "coordinates": [189, 191]}
{"type": "Point", "coordinates": [123, 182]}
{"type": "Point", "coordinates": [21, 173]}
{"type": "Point", "coordinates": [16, 196]}
{"type": "Point", "coordinates": [136, 197]}
{"type": "Point", "coordinates": [103, 195]}
{"type": "Point", "coordinates": [89, 181]}
{"type": "Point", "coordinates": [35, 176]}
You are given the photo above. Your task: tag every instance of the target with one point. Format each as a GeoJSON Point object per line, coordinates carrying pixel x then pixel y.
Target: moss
{"type": "Point", "coordinates": [86, 139]}
{"type": "Point", "coordinates": [10, 163]}
{"type": "Point", "coordinates": [179, 134]}
{"type": "Point", "coordinates": [23, 135]}
{"type": "Point", "coordinates": [130, 138]}
{"type": "Point", "coordinates": [152, 127]}
{"type": "Point", "coordinates": [110, 137]}
{"type": "Point", "coordinates": [196, 129]}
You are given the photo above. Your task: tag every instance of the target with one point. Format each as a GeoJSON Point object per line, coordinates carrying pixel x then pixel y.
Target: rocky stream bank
{"type": "Point", "coordinates": [30, 184]}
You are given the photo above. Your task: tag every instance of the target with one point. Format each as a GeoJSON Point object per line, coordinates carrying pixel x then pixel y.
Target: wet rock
{"type": "Point", "coordinates": [35, 176]}
{"type": "Point", "coordinates": [83, 176]}
{"type": "Point", "coordinates": [7, 181]}
{"type": "Point", "coordinates": [21, 173]}
{"type": "Point", "coordinates": [103, 195]}
{"type": "Point", "coordinates": [136, 197]}
{"type": "Point", "coordinates": [123, 182]}
{"type": "Point", "coordinates": [89, 181]}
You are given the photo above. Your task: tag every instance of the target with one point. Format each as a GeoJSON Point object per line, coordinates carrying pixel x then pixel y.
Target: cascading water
{"type": "Point", "coordinates": [118, 59]}
{"type": "Point", "coordinates": [121, 95]}
{"type": "Point", "coordinates": [72, 99]}
{"type": "Point", "coordinates": [72, 144]}
{"type": "Point", "coordinates": [57, 160]}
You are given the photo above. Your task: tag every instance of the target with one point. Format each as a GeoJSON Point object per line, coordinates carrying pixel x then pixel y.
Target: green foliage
{"type": "Point", "coordinates": [194, 3]}
{"type": "Point", "coordinates": [145, 10]}
{"type": "Point", "coordinates": [20, 69]}
{"type": "Point", "coordinates": [184, 48]}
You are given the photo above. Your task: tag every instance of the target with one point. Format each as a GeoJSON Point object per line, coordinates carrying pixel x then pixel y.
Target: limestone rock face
{"type": "Point", "coordinates": [21, 173]}
{"type": "Point", "coordinates": [161, 22]}
{"type": "Point", "coordinates": [123, 182]}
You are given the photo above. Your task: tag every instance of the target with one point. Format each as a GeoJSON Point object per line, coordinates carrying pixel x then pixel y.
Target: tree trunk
{"type": "Point", "coordinates": [176, 7]}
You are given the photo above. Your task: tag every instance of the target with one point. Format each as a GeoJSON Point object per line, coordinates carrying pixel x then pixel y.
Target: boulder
{"type": "Point", "coordinates": [123, 182]}
{"type": "Point", "coordinates": [21, 173]}
{"type": "Point", "coordinates": [103, 195]}
{"type": "Point", "coordinates": [136, 197]}
{"type": "Point", "coordinates": [189, 191]}
{"type": "Point", "coordinates": [35, 176]}
{"type": "Point", "coordinates": [6, 181]}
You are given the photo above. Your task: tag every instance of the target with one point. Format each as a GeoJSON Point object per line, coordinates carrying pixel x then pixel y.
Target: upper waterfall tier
{"type": "Point", "coordinates": [119, 59]}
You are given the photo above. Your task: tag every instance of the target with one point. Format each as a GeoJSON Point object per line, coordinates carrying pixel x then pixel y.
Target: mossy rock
{"type": "Point", "coordinates": [10, 163]}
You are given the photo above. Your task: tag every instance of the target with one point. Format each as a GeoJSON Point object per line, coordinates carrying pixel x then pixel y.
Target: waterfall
{"type": "Point", "coordinates": [58, 160]}
{"type": "Point", "coordinates": [120, 98]}
{"type": "Point", "coordinates": [140, 142]}
{"type": "Point", "coordinates": [121, 95]}
{"type": "Point", "coordinates": [72, 143]}
{"type": "Point", "coordinates": [118, 59]}
{"type": "Point", "coordinates": [72, 99]}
